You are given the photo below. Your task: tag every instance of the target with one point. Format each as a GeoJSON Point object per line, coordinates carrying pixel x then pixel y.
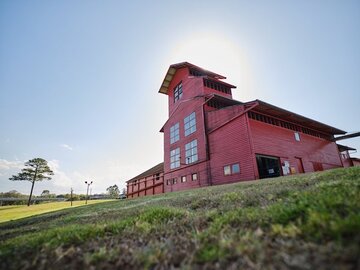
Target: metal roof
{"type": "Point", "coordinates": [154, 170]}
{"type": "Point", "coordinates": [345, 148]}
{"type": "Point", "coordinates": [270, 109]}
{"type": "Point", "coordinates": [172, 70]}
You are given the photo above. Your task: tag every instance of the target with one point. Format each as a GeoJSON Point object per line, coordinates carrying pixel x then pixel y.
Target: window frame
{"type": "Point", "coordinates": [175, 155]}
{"type": "Point", "coordinates": [229, 169]}
{"type": "Point", "coordinates": [178, 91]}
{"type": "Point", "coordinates": [191, 152]}
{"type": "Point", "coordinates": [175, 133]}
{"type": "Point", "coordinates": [190, 124]}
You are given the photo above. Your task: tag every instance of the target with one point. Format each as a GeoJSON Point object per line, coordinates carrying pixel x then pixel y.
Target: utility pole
{"type": "Point", "coordinates": [71, 196]}
{"type": "Point", "coordinates": [87, 191]}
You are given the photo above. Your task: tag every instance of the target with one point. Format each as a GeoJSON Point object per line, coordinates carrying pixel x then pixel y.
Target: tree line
{"type": "Point", "coordinates": [36, 170]}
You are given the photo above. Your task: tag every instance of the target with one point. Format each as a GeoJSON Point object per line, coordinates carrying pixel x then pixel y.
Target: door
{"type": "Point", "coordinates": [300, 166]}
{"type": "Point", "coordinates": [268, 166]}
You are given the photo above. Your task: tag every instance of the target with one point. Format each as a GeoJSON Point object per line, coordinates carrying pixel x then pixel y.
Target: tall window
{"type": "Point", "coordinates": [175, 158]}
{"type": "Point", "coordinates": [178, 92]}
{"type": "Point", "coordinates": [174, 133]}
{"type": "Point", "coordinates": [190, 124]}
{"type": "Point", "coordinates": [191, 152]}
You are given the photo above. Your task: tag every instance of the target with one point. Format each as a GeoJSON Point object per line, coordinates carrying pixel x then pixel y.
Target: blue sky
{"type": "Point", "coordinates": [79, 79]}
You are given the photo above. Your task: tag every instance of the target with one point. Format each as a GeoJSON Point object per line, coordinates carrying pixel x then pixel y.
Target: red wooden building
{"type": "Point", "coordinates": [210, 138]}
{"type": "Point", "coordinates": [149, 182]}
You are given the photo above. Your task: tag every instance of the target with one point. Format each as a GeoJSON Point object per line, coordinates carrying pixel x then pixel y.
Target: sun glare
{"type": "Point", "coordinates": [219, 54]}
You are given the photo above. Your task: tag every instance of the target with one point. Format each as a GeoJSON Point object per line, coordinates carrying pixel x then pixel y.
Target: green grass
{"type": "Point", "coordinates": [14, 212]}
{"type": "Point", "coordinates": [309, 221]}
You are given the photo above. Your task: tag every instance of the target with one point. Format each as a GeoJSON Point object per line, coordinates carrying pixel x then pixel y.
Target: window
{"type": "Point", "coordinates": [297, 136]}
{"type": "Point", "coordinates": [174, 181]}
{"type": "Point", "coordinates": [183, 179]}
{"type": "Point", "coordinates": [227, 170]}
{"type": "Point", "coordinates": [217, 86]}
{"type": "Point", "coordinates": [168, 182]}
{"type": "Point", "coordinates": [175, 158]}
{"type": "Point", "coordinates": [190, 124]}
{"type": "Point", "coordinates": [174, 133]}
{"type": "Point", "coordinates": [157, 176]}
{"type": "Point", "coordinates": [191, 152]}
{"type": "Point", "coordinates": [194, 176]}
{"type": "Point", "coordinates": [232, 169]}
{"type": "Point", "coordinates": [235, 168]}
{"type": "Point", "coordinates": [178, 92]}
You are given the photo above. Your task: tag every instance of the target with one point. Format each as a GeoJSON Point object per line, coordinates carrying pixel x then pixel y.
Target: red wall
{"type": "Point", "coordinates": [345, 158]}
{"type": "Point", "coordinates": [280, 142]}
{"type": "Point", "coordinates": [228, 145]}
{"type": "Point", "coordinates": [191, 101]}
{"type": "Point", "coordinates": [146, 186]}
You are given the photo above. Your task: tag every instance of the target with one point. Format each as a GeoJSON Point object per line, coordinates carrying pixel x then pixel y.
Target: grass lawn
{"type": "Point", "coordinates": [309, 221]}
{"type": "Point", "coordinates": [14, 212]}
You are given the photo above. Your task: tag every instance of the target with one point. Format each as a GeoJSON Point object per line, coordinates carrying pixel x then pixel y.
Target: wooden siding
{"type": "Point", "coordinates": [280, 142]}
{"type": "Point", "coordinates": [149, 185]}
{"type": "Point", "coordinates": [199, 168]}
{"type": "Point", "coordinates": [229, 145]}
{"type": "Point", "coordinates": [345, 159]}
{"type": "Point", "coordinates": [185, 109]}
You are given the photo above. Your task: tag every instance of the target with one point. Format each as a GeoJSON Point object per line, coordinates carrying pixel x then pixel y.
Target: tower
{"type": "Point", "coordinates": [192, 92]}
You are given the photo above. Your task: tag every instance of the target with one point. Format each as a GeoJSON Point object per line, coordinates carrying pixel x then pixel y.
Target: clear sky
{"type": "Point", "coordinates": [79, 80]}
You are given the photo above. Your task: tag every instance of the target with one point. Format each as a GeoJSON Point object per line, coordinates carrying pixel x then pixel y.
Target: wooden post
{"type": "Point", "coordinates": [71, 196]}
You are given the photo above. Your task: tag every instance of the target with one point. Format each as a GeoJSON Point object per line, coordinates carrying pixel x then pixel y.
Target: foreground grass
{"type": "Point", "coordinates": [302, 222]}
{"type": "Point", "coordinates": [14, 212]}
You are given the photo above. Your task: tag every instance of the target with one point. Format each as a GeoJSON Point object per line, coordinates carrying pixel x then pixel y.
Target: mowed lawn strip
{"type": "Point", "coordinates": [309, 221]}
{"type": "Point", "coordinates": [8, 213]}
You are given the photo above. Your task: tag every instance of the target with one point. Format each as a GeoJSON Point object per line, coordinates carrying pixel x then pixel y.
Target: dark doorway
{"type": "Point", "coordinates": [300, 165]}
{"type": "Point", "coordinates": [268, 166]}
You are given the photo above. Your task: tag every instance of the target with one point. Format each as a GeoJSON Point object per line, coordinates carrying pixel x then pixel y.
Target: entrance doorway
{"type": "Point", "coordinates": [300, 166]}
{"type": "Point", "coordinates": [268, 166]}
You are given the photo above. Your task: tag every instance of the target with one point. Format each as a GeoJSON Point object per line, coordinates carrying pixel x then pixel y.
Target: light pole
{"type": "Point", "coordinates": [87, 191]}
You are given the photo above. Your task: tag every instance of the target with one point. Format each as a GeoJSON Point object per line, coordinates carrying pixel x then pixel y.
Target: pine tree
{"type": "Point", "coordinates": [35, 170]}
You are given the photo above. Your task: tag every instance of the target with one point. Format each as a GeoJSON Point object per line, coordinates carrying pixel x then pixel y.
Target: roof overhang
{"type": "Point", "coordinates": [221, 82]}
{"type": "Point", "coordinates": [224, 100]}
{"type": "Point", "coordinates": [154, 170]}
{"type": "Point", "coordinates": [345, 148]}
{"type": "Point", "coordinates": [272, 110]}
{"type": "Point", "coordinates": [164, 88]}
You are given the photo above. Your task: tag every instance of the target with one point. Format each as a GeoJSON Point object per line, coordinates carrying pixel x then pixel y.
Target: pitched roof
{"type": "Point", "coordinates": [270, 109]}
{"type": "Point", "coordinates": [172, 70]}
{"type": "Point", "coordinates": [154, 170]}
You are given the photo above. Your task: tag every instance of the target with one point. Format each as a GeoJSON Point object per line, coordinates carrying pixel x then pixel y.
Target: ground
{"type": "Point", "coordinates": [13, 212]}
{"type": "Point", "coordinates": [310, 221]}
